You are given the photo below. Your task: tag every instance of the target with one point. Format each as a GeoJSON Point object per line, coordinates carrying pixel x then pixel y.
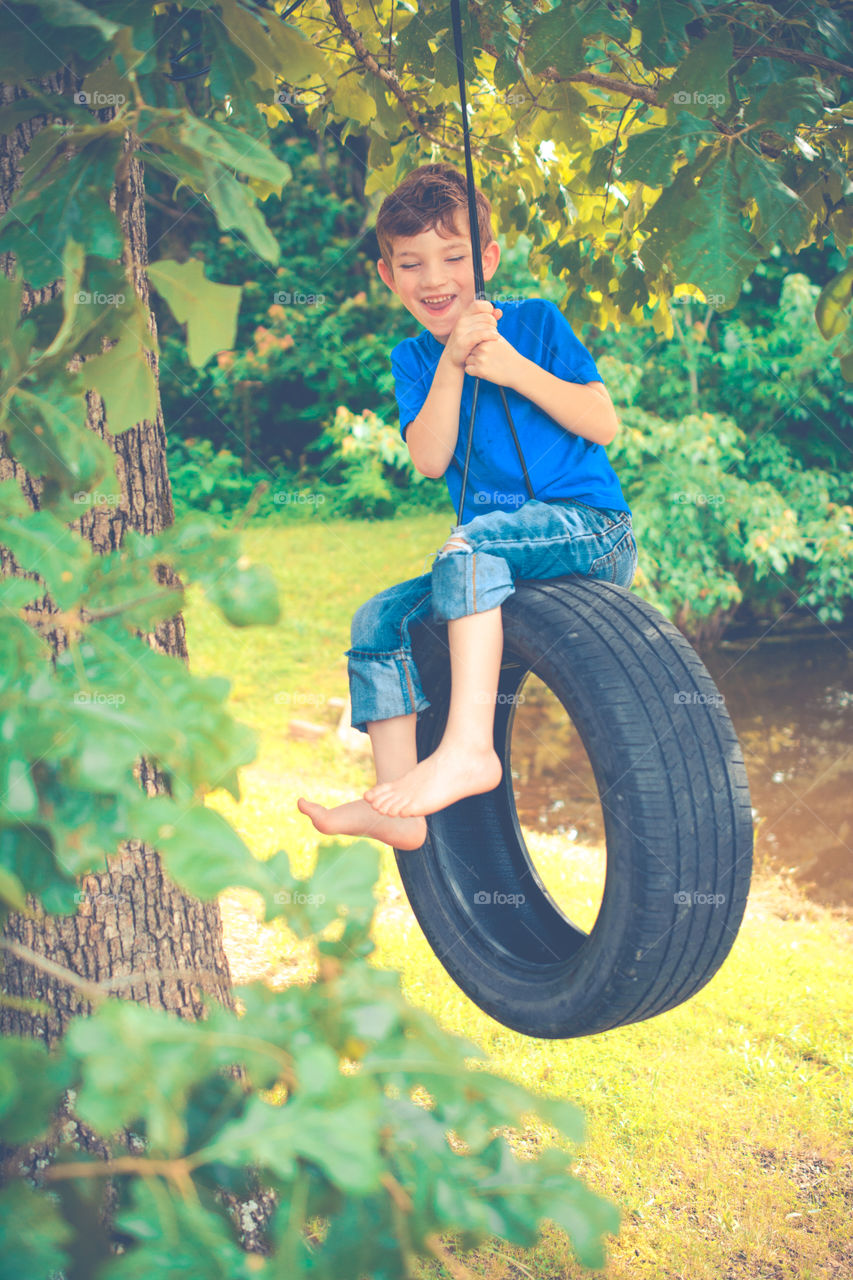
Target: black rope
{"type": "Point", "coordinates": [479, 282]}
{"type": "Point", "coordinates": [189, 75]}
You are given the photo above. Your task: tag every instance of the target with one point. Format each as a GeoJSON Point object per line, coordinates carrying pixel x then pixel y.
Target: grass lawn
{"type": "Point", "coordinates": [723, 1128]}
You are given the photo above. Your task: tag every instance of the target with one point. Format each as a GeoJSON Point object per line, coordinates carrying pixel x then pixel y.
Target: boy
{"type": "Point", "coordinates": [578, 522]}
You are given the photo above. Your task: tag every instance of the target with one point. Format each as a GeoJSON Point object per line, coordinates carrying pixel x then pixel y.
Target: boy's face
{"type": "Point", "coordinates": [433, 276]}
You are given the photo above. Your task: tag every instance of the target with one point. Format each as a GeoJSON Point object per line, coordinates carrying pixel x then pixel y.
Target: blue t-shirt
{"type": "Point", "coordinates": [560, 464]}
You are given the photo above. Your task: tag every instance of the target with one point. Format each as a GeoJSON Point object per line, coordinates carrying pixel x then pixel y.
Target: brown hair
{"type": "Point", "coordinates": [430, 197]}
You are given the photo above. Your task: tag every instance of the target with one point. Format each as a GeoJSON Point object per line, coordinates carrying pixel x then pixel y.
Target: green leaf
{"type": "Point", "coordinates": [202, 851]}
{"type": "Point", "coordinates": [42, 544]}
{"type": "Point", "coordinates": [701, 81]}
{"type": "Point", "coordinates": [13, 894]}
{"type": "Point", "coordinates": [346, 875]}
{"type": "Point", "coordinates": [125, 380]}
{"type": "Point", "coordinates": [247, 596]}
{"type": "Point", "coordinates": [176, 1236]}
{"type": "Point", "coordinates": [68, 13]}
{"type": "Point", "coordinates": [34, 1233]}
{"type": "Point", "coordinates": [233, 73]}
{"type": "Point", "coordinates": [782, 215]}
{"type": "Point", "coordinates": [49, 211]}
{"type": "Point", "coordinates": [649, 157]}
{"type": "Point", "coordinates": [565, 119]}
{"type": "Point", "coordinates": [263, 1135]}
{"type": "Point", "coordinates": [340, 1139]}
{"type": "Point", "coordinates": [234, 149]}
{"type": "Point", "coordinates": [16, 593]}
{"type": "Point", "coordinates": [352, 102]}
{"type": "Point", "coordinates": [73, 262]}
{"type": "Point", "coordinates": [788, 106]}
{"type": "Point", "coordinates": [555, 39]}
{"type": "Point", "coordinates": [12, 500]}
{"type": "Point", "coordinates": [662, 24]}
{"type": "Point", "coordinates": [161, 1058]}
{"type": "Point", "coordinates": [209, 310]}
{"type": "Point", "coordinates": [250, 39]}
{"type": "Point", "coordinates": [296, 58]}
{"type": "Point", "coordinates": [831, 309]}
{"type": "Point", "coordinates": [20, 797]}
{"type": "Point", "coordinates": [234, 204]}
{"type": "Point", "coordinates": [49, 437]}
{"type": "Point", "coordinates": [413, 51]}
{"type": "Point", "coordinates": [698, 230]}
{"type": "Point", "coordinates": [32, 1082]}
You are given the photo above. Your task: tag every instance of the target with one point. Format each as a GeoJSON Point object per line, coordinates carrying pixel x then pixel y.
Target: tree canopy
{"type": "Point", "coordinates": [648, 149]}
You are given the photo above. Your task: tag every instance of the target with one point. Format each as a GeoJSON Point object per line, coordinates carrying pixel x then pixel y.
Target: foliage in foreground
{"type": "Point", "coordinates": [349, 1094]}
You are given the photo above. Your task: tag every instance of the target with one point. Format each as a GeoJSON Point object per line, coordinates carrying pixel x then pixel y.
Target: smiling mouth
{"type": "Point", "coordinates": [438, 304]}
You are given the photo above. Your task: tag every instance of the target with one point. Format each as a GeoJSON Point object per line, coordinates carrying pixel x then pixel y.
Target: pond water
{"type": "Point", "coordinates": [791, 702]}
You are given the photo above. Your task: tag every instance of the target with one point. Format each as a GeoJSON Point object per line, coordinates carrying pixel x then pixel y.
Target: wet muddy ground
{"type": "Point", "coordinates": [791, 702]}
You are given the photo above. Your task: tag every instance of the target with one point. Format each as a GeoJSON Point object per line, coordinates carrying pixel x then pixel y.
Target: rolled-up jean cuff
{"type": "Point", "coordinates": [465, 582]}
{"type": "Point", "coordinates": [382, 686]}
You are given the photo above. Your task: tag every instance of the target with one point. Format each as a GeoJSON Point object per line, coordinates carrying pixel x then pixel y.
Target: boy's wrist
{"type": "Point", "coordinates": [518, 371]}
{"type": "Point", "coordinates": [446, 360]}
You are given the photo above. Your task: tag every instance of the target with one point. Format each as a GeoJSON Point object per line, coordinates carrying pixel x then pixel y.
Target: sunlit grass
{"type": "Point", "coordinates": [721, 1128]}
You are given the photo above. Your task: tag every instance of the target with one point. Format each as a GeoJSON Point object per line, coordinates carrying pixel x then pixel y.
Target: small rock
{"type": "Point", "coordinates": [353, 739]}
{"type": "Point", "coordinates": [306, 729]}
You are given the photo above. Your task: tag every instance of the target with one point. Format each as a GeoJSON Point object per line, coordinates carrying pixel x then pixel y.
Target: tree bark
{"type": "Point", "coordinates": [131, 919]}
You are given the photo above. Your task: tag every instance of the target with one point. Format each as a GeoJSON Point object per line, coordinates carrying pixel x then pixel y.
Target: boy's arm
{"type": "Point", "coordinates": [432, 435]}
{"type": "Point", "coordinates": [584, 408]}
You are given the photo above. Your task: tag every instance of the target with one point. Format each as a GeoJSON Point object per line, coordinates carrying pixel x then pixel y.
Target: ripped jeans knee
{"type": "Point", "coordinates": [466, 581]}
{"type": "Point", "coordinates": [456, 542]}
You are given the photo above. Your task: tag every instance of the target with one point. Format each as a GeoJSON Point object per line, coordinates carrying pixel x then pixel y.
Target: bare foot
{"type": "Point", "coordinates": [358, 818]}
{"type": "Point", "coordinates": [447, 775]}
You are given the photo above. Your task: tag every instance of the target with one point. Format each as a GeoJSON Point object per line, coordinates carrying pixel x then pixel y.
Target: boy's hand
{"type": "Point", "coordinates": [497, 361]}
{"type": "Point", "coordinates": [477, 324]}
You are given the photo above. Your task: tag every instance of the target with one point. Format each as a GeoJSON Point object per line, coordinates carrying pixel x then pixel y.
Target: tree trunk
{"type": "Point", "coordinates": [131, 919]}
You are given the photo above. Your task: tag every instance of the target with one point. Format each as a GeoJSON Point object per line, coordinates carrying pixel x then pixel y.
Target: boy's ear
{"type": "Point", "coordinates": [491, 258]}
{"type": "Point", "coordinates": [384, 272]}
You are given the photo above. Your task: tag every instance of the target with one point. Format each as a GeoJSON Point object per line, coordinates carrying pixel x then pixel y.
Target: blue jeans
{"type": "Point", "coordinates": [537, 540]}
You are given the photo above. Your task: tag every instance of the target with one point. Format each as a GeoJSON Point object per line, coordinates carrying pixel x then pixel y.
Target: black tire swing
{"type": "Point", "coordinates": [671, 782]}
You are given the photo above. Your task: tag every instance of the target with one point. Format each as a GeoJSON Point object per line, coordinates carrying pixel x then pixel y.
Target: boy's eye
{"type": "Point", "coordinates": [407, 266]}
